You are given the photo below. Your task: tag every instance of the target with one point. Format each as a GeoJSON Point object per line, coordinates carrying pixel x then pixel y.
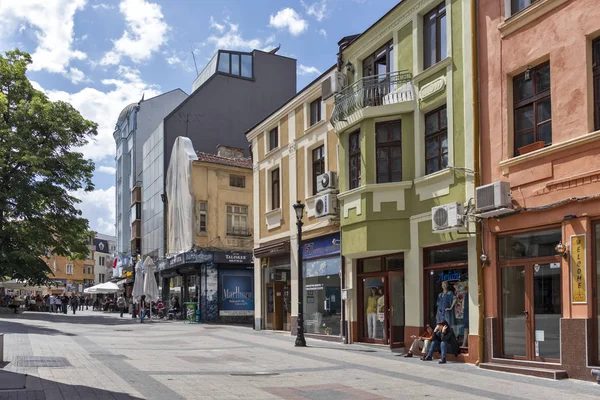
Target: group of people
{"type": "Point", "coordinates": [441, 339]}
{"type": "Point", "coordinates": [61, 303]}
{"type": "Point", "coordinates": [160, 307]}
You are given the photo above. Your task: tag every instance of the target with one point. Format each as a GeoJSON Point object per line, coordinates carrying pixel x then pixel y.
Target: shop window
{"type": "Point", "coordinates": [596, 84]}
{"type": "Point", "coordinates": [318, 165]}
{"type": "Point", "coordinates": [237, 220]}
{"type": "Point", "coordinates": [380, 264]}
{"type": "Point", "coordinates": [529, 244]}
{"type": "Point", "coordinates": [389, 151]}
{"type": "Point", "coordinates": [436, 140]}
{"type": "Point", "coordinates": [532, 107]}
{"type": "Point", "coordinates": [447, 255]}
{"type": "Point", "coordinates": [201, 216]}
{"type": "Point", "coordinates": [322, 296]}
{"type": "Point", "coordinates": [434, 36]}
{"type": "Point", "coordinates": [315, 111]}
{"type": "Point", "coordinates": [354, 160]}
{"type": "Point", "coordinates": [373, 289]}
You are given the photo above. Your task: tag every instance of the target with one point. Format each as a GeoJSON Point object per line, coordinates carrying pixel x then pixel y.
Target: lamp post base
{"type": "Point", "coordinates": [300, 341]}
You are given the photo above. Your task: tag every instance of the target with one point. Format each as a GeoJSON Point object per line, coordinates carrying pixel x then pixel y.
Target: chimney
{"type": "Point", "coordinates": [230, 152]}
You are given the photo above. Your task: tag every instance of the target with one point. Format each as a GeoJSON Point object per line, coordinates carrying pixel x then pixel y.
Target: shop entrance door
{"type": "Point", "coordinates": [396, 308]}
{"type": "Point", "coordinates": [374, 317]}
{"type": "Point", "coordinates": [275, 306]}
{"type": "Point", "coordinates": [531, 311]}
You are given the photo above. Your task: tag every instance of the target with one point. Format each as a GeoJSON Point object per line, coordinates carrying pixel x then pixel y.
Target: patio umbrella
{"type": "Point", "coordinates": [138, 283]}
{"type": "Point", "coordinates": [106, 288]}
{"type": "Point", "coordinates": [150, 285]}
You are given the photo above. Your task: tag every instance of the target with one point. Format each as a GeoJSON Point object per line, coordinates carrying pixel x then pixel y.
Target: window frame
{"type": "Point", "coordinates": [201, 212]}
{"type": "Point", "coordinates": [440, 10]}
{"type": "Point", "coordinates": [230, 57]}
{"type": "Point", "coordinates": [387, 146]}
{"type": "Point", "coordinates": [275, 186]}
{"type": "Point", "coordinates": [318, 165]}
{"type": "Point", "coordinates": [376, 57]}
{"type": "Point", "coordinates": [534, 100]}
{"type": "Point", "coordinates": [273, 137]}
{"type": "Point", "coordinates": [512, 7]}
{"type": "Point", "coordinates": [596, 81]}
{"type": "Point", "coordinates": [69, 267]}
{"type": "Point", "coordinates": [317, 104]}
{"type": "Point", "coordinates": [354, 158]}
{"type": "Point", "coordinates": [231, 217]}
{"type": "Point", "coordinates": [235, 179]}
{"type": "Point", "coordinates": [437, 135]}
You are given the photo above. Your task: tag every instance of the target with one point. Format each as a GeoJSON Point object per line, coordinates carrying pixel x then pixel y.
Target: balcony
{"type": "Point", "coordinates": [371, 91]}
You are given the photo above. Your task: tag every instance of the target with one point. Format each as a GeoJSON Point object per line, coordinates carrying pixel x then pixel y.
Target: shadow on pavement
{"type": "Point", "coordinates": [39, 388]}
{"type": "Point", "coordinates": [86, 318]}
{"type": "Point", "coordinates": [17, 327]}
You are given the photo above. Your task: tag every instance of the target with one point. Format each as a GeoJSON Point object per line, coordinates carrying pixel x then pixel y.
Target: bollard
{"type": "Point", "coordinates": [1, 347]}
{"type": "Point", "coordinates": [596, 373]}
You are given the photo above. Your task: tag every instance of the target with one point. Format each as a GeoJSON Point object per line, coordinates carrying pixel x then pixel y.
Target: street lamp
{"type": "Point", "coordinates": [300, 341]}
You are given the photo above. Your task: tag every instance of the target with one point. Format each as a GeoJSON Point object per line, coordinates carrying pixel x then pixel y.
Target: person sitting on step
{"type": "Point", "coordinates": [422, 342]}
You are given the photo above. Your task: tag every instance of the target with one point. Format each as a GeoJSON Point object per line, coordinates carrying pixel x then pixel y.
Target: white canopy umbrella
{"type": "Point", "coordinates": [150, 285]}
{"type": "Point", "coordinates": [138, 283]}
{"type": "Point", "coordinates": [105, 288]}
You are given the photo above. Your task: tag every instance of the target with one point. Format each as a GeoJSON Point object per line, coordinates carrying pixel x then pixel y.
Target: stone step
{"type": "Point", "coordinates": [524, 370]}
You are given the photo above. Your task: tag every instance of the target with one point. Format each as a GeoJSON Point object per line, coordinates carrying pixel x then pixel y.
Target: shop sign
{"type": "Point", "coordinates": [237, 293]}
{"type": "Point", "coordinates": [161, 264]}
{"type": "Point", "coordinates": [233, 258]}
{"type": "Point", "coordinates": [448, 276]}
{"type": "Point", "coordinates": [578, 270]}
{"type": "Point", "coordinates": [198, 257]}
{"type": "Point", "coordinates": [173, 261]}
{"type": "Point", "coordinates": [314, 286]}
{"type": "Point", "coordinates": [322, 246]}
{"type": "Point", "coordinates": [272, 249]}
{"type": "Point", "coordinates": [101, 246]}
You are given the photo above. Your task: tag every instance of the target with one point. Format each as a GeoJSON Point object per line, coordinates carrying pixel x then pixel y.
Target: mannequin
{"type": "Point", "coordinates": [371, 312]}
{"type": "Point", "coordinates": [445, 305]}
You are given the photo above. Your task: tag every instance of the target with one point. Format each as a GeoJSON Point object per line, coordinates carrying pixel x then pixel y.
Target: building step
{"type": "Point", "coordinates": [525, 370]}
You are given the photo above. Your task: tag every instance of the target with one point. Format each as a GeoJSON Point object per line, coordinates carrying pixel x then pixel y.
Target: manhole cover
{"type": "Point", "coordinates": [254, 373]}
{"type": "Point", "coordinates": [48, 362]}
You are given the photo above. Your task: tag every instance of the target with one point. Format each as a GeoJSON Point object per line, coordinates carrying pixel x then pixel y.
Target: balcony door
{"type": "Point", "coordinates": [376, 70]}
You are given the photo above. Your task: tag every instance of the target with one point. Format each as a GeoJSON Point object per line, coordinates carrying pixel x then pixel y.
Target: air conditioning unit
{"type": "Point", "coordinates": [326, 205]}
{"type": "Point", "coordinates": [493, 196]}
{"type": "Point", "coordinates": [326, 181]}
{"type": "Point", "coordinates": [333, 84]}
{"type": "Point", "coordinates": [448, 217]}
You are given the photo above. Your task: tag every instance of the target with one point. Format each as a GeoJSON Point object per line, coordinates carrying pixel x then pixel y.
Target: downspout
{"type": "Point", "coordinates": [477, 175]}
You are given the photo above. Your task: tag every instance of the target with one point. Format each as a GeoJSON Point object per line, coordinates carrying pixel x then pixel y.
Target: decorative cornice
{"type": "Point", "coordinates": [528, 15]}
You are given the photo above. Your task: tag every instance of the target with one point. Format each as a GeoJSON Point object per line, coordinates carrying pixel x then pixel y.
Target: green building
{"type": "Point", "coordinates": [404, 117]}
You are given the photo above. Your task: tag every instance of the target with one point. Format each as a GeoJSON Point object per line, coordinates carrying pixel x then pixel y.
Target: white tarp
{"type": "Point", "coordinates": [150, 286]}
{"type": "Point", "coordinates": [106, 288]}
{"type": "Point", "coordinates": [180, 202]}
{"type": "Point", "coordinates": [138, 283]}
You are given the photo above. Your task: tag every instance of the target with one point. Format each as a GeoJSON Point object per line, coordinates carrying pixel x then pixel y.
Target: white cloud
{"type": "Point", "coordinates": [105, 169]}
{"type": "Point", "coordinates": [304, 70]}
{"type": "Point", "coordinates": [173, 60]}
{"type": "Point", "coordinates": [323, 32]}
{"type": "Point", "coordinates": [146, 32]}
{"type": "Point", "coordinates": [52, 22]}
{"type": "Point", "coordinates": [232, 39]}
{"type": "Point", "coordinates": [103, 6]}
{"type": "Point", "coordinates": [217, 26]}
{"type": "Point", "coordinates": [104, 107]}
{"type": "Point", "coordinates": [98, 207]}
{"type": "Point", "coordinates": [317, 10]}
{"type": "Point", "coordinates": [75, 75]}
{"type": "Point", "coordinates": [288, 19]}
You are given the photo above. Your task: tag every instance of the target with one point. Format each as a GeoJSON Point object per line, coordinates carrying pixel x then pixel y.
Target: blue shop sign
{"type": "Point", "coordinates": [322, 246]}
{"type": "Point", "coordinates": [448, 276]}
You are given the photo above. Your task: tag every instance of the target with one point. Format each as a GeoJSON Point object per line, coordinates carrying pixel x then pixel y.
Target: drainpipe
{"type": "Point", "coordinates": [477, 175]}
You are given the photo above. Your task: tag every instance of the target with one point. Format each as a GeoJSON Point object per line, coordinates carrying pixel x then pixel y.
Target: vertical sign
{"type": "Point", "coordinates": [578, 270]}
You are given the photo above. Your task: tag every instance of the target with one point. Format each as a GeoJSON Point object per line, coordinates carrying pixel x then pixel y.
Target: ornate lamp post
{"type": "Point", "coordinates": [300, 341]}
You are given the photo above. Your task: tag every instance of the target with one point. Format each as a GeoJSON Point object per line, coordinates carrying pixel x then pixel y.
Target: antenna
{"type": "Point", "coordinates": [194, 58]}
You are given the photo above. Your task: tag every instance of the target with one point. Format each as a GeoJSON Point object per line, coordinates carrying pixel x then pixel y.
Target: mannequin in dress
{"type": "Point", "coordinates": [445, 304]}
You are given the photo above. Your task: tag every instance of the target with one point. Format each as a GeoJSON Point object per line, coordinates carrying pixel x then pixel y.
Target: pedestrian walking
{"type": "Point", "coordinates": [65, 304]}
{"type": "Point", "coordinates": [57, 304]}
{"type": "Point", "coordinates": [74, 304]}
{"type": "Point", "coordinates": [121, 304]}
{"type": "Point", "coordinates": [142, 308]}
{"type": "Point", "coordinates": [88, 300]}
{"type": "Point", "coordinates": [81, 302]}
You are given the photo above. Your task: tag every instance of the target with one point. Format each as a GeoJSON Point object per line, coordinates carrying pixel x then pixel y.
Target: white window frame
{"type": "Point", "coordinates": [102, 261]}
{"type": "Point", "coordinates": [201, 212]}
{"type": "Point", "coordinates": [69, 269]}
{"type": "Point", "coordinates": [236, 211]}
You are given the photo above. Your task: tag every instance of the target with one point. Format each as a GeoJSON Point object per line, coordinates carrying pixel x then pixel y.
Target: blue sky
{"type": "Point", "coordinates": [101, 55]}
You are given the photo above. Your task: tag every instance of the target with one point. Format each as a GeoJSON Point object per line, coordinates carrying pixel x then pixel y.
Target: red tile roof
{"type": "Point", "coordinates": [232, 162]}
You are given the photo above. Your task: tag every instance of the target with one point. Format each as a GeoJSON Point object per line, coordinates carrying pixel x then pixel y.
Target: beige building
{"type": "Point", "coordinates": [71, 276]}
{"type": "Point", "coordinates": [293, 149]}
{"type": "Point", "coordinates": [209, 234]}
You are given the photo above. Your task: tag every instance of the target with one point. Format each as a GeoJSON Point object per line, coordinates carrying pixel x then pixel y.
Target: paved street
{"type": "Point", "coordinates": [93, 355]}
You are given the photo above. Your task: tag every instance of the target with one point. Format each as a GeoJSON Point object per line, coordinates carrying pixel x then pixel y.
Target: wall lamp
{"type": "Point", "coordinates": [484, 259]}
{"type": "Point", "coordinates": [528, 73]}
{"type": "Point", "coordinates": [561, 249]}
{"type": "Point", "coordinates": [349, 67]}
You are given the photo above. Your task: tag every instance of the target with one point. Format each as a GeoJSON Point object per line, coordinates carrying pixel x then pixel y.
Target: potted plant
{"type": "Point", "coordinates": [528, 148]}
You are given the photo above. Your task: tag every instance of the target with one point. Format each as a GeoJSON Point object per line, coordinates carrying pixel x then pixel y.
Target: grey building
{"type": "Point", "coordinates": [135, 124]}
{"type": "Point", "coordinates": [232, 93]}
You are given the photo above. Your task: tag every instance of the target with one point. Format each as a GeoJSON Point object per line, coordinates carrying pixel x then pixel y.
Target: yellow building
{"type": "Point", "coordinates": [71, 276]}
{"type": "Point", "coordinates": [209, 234]}
{"type": "Point", "coordinates": [294, 149]}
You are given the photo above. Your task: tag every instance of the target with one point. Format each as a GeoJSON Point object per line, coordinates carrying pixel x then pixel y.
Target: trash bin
{"type": "Point", "coordinates": [190, 311]}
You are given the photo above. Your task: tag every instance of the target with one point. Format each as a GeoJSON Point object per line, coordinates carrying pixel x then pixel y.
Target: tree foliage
{"type": "Point", "coordinates": [39, 171]}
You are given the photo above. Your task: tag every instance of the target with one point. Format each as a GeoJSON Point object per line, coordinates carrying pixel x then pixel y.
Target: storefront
{"type": "Point", "coordinates": [322, 285]}
{"type": "Point", "coordinates": [276, 292]}
{"type": "Point", "coordinates": [381, 300]}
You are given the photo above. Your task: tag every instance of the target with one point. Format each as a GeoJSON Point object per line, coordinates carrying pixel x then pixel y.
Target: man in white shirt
{"type": "Point", "coordinates": [52, 303]}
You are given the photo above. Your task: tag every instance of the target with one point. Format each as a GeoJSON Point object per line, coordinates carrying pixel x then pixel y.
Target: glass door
{"type": "Point", "coordinates": [547, 311]}
{"type": "Point", "coordinates": [396, 308]}
{"type": "Point", "coordinates": [515, 318]}
{"type": "Point", "coordinates": [374, 310]}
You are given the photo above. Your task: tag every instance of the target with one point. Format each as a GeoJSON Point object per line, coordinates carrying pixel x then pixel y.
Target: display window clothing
{"type": "Point", "coordinates": [445, 307]}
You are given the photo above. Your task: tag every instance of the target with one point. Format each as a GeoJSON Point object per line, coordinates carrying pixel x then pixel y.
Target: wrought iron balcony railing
{"type": "Point", "coordinates": [377, 90]}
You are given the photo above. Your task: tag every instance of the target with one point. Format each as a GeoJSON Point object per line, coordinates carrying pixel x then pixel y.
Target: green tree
{"type": "Point", "coordinates": [39, 171]}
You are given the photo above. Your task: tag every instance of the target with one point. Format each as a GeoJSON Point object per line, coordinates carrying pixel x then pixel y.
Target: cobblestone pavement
{"type": "Point", "coordinates": [92, 355]}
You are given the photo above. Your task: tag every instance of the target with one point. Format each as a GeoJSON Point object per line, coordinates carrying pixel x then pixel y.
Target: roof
{"type": "Point", "coordinates": [232, 162]}
{"type": "Point", "coordinates": [125, 112]}
{"type": "Point", "coordinates": [293, 97]}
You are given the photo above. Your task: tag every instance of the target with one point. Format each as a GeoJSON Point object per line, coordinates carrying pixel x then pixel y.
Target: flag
{"type": "Point", "coordinates": [115, 263]}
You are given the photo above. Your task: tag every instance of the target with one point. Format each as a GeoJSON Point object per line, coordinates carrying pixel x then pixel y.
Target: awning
{"type": "Point", "coordinates": [121, 282]}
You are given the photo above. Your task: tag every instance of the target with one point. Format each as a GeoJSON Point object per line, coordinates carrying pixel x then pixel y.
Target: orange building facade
{"type": "Point", "coordinates": [539, 68]}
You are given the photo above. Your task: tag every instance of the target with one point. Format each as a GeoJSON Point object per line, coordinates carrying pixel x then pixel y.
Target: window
{"type": "Point", "coordinates": [377, 66]}
{"type": "Point", "coordinates": [239, 64]}
{"type": "Point", "coordinates": [354, 160]}
{"type": "Point", "coordinates": [434, 36]}
{"type": "Point", "coordinates": [436, 141]}
{"type": "Point", "coordinates": [322, 297]}
{"type": "Point", "coordinates": [69, 269]}
{"type": "Point", "coordinates": [273, 139]}
{"type": "Point", "coordinates": [275, 189]}
{"type": "Point", "coordinates": [246, 66]}
{"type": "Point", "coordinates": [315, 111]}
{"type": "Point", "coordinates": [237, 181]}
{"type": "Point", "coordinates": [380, 62]}
{"type": "Point", "coordinates": [318, 165]}
{"type": "Point", "coordinates": [518, 5]}
{"type": "Point", "coordinates": [101, 278]}
{"type": "Point", "coordinates": [102, 261]}
{"type": "Point", "coordinates": [529, 245]}
{"type": "Point", "coordinates": [596, 74]}
{"type": "Point", "coordinates": [237, 220]}
{"type": "Point", "coordinates": [388, 136]}
{"type": "Point", "coordinates": [201, 209]}
{"type": "Point", "coordinates": [532, 107]}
